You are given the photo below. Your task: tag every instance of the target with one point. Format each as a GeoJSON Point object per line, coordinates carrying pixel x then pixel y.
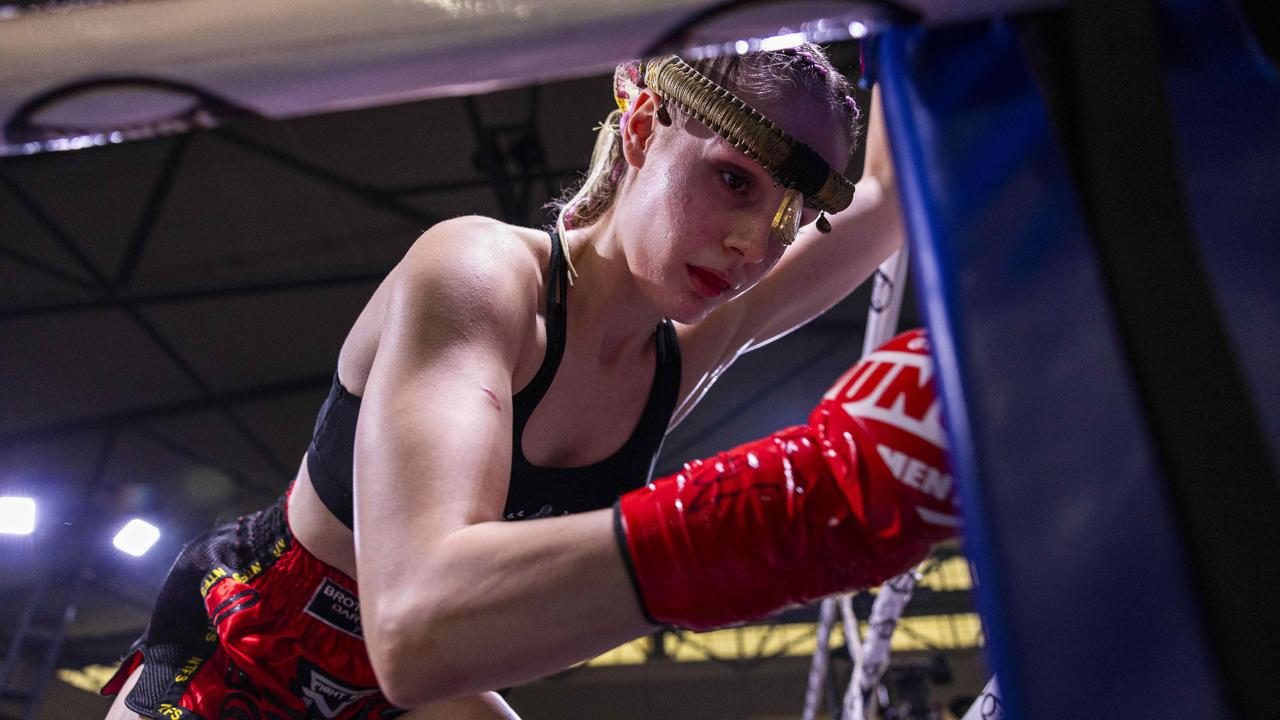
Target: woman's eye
{"type": "Point", "coordinates": [732, 181]}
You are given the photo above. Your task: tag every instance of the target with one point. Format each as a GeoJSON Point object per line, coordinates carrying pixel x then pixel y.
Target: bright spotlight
{"type": "Point", "coordinates": [742, 47]}
{"type": "Point", "coordinates": [782, 42]}
{"type": "Point", "coordinates": [17, 516]}
{"type": "Point", "coordinates": [136, 537]}
{"type": "Point", "coordinates": [857, 29]}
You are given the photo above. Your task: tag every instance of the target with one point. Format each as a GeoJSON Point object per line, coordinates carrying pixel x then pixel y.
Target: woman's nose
{"type": "Point", "coordinates": [750, 241]}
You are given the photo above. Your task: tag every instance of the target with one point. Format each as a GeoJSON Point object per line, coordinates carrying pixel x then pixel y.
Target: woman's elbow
{"type": "Point", "coordinates": [413, 686]}
{"type": "Point", "coordinates": [411, 666]}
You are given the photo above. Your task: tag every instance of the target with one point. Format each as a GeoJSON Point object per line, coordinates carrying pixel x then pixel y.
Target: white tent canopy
{"type": "Point", "coordinates": [282, 58]}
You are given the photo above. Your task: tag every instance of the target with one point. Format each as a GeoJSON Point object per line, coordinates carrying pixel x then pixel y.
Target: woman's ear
{"type": "Point", "coordinates": [639, 128]}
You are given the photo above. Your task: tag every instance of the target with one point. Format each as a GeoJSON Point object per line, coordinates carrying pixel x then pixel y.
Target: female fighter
{"type": "Point", "coordinates": [504, 373]}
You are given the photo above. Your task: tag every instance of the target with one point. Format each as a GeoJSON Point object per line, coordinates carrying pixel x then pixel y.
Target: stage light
{"type": "Point", "coordinates": [17, 516]}
{"type": "Point", "coordinates": [857, 30]}
{"type": "Point", "coordinates": [782, 42]}
{"type": "Point", "coordinates": [742, 47]}
{"type": "Point", "coordinates": [136, 537]}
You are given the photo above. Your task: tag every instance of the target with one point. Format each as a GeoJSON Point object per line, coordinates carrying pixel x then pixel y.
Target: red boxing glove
{"type": "Point", "coordinates": [857, 496]}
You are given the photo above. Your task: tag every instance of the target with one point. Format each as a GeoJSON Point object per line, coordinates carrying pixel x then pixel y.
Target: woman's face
{"type": "Point", "coordinates": [698, 213]}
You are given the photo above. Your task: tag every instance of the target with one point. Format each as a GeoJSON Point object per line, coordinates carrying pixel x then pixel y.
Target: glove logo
{"type": "Point", "coordinates": [895, 388]}
{"type": "Point", "coordinates": [923, 477]}
{"type": "Point", "coordinates": [913, 473]}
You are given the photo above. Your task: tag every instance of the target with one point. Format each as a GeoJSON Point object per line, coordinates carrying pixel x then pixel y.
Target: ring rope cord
{"type": "Point", "coordinates": [854, 642]}
{"type": "Point", "coordinates": [988, 705]}
{"type": "Point", "coordinates": [818, 664]}
{"type": "Point", "coordinates": [873, 658]}
{"type": "Point", "coordinates": [886, 611]}
{"type": "Point", "coordinates": [792, 163]}
{"type": "Point", "coordinates": [882, 322]}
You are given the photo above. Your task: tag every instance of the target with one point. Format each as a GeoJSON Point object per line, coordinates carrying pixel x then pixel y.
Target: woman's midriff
{"type": "Point", "coordinates": [316, 529]}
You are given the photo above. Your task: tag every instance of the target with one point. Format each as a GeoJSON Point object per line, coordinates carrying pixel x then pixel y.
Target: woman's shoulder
{"type": "Point", "coordinates": [475, 238]}
{"type": "Point", "coordinates": [476, 254]}
{"type": "Point", "coordinates": [469, 272]}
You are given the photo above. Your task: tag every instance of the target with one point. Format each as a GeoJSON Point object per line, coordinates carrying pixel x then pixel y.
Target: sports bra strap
{"type": "Point", "coordinates": [526, 401]}
{"type": "Point", "coordinates": [663, 396]}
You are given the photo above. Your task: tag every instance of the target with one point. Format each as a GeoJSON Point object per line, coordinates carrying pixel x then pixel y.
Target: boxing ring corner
{"type": "Point", "coordinates": [1080, 342]}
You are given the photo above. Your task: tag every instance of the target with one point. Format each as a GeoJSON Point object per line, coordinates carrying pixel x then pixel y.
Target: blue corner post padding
{"type": "Point", "coordinates": [1224, 106]}
{"type": "Point", "coordinates": [1085, 592]}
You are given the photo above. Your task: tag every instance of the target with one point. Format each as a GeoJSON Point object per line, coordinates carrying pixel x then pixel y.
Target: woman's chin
{"type": "Point", "coordinates": [691, 311]}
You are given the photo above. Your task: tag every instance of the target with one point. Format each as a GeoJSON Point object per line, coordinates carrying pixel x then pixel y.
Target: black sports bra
{"type": "Point", "coordinates": [534, 491]}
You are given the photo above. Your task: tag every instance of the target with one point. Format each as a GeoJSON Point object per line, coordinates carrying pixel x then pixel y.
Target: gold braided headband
{"type": "Point", "coordinates": [792, 163]}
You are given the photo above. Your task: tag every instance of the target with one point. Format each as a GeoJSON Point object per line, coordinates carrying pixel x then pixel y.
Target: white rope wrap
{"type": "Point", "coordinates": [882, 324]}
{"type": "Point", "coordinates": [818, 665]}
{"type": "Point", "coordinates": [885, 613]}
{"type": "Point", "coordinates": [853, 704]}
{"type": "Point", "coordinates": [988, 706]}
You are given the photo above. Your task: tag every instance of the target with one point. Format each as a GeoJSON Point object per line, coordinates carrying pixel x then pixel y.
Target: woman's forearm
{"type": "Point", "coordinates": [501, 603]}
{"type": "Point", "coordinates": [483, 706]}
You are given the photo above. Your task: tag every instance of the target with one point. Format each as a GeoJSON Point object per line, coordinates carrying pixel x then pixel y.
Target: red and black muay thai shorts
{"type": "Point", "coordinates": [252, 626]}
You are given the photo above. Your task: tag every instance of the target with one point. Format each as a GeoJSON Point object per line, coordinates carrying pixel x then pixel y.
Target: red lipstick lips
{"type": "Point", "coordinates": [708, 283]}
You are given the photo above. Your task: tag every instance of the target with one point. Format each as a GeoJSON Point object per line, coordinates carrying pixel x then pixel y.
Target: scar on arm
{"type": "Point", "coordinates": [493, 399]}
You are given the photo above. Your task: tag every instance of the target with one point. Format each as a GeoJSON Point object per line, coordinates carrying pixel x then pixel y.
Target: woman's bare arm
{"type": "Point", "coordinates": [453, 600]}
{"type": "Point", "coordinates": [484, 706]}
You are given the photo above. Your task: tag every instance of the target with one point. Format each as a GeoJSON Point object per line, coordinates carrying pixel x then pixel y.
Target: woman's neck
{"type": "Point", "coordinates": [609, 315]}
